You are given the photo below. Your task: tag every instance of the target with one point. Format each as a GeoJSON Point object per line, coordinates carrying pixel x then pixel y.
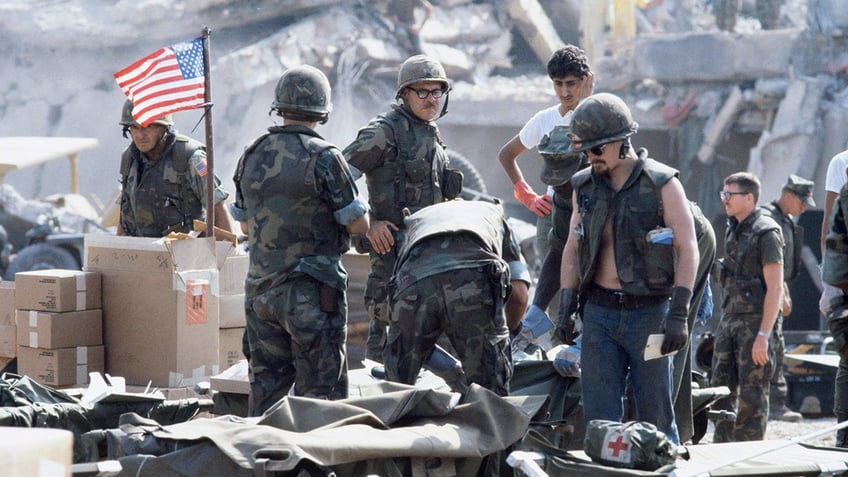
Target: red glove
{"type": "Point", "coordinates": [538, 204]}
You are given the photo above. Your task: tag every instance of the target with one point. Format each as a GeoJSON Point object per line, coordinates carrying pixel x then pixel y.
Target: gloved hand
{"type": "Point", "coordinates": [565, 321]}
{"type": "Point", "coordinates": [537, 321]}
{"type": "Point", "coordinates": [676, 330]}
{"type": "Point", "coordinates": [540, 205]}
{"type": "Point", "coordinates": [521, 338]}
{"type": "Point", "coordinates": [567, 359]}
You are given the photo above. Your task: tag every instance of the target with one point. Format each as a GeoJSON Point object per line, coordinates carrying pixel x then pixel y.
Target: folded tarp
{"type": "Point", "coordinates": [390, 434]}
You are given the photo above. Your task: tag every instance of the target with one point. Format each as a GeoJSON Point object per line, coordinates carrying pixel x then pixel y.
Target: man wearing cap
{"type": "Point", "coordinates": [631, 257]}
{"type": "Point", "coordinates": [406, 166]}
{"type": "Point", "coordinates": [163, 180]}
{"type": "Point", "coordinates": [795, 197]}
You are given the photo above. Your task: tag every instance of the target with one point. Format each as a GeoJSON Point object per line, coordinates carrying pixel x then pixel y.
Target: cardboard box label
{"type": "Point", "coordinates": [197, 293]}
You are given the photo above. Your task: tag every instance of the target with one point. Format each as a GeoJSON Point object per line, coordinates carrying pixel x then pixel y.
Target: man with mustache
{"type": "Point", "coordinates": [631, 257]}
{"type": "Point", "coordinates": [406, 167]}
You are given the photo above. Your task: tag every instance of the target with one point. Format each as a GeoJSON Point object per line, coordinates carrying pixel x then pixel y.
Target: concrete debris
{"type": "Point", "coordinates": [677, 71]}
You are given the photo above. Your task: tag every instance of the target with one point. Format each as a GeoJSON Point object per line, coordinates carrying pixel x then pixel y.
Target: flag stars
{"type": "Point", "coordinates": [190, 58]}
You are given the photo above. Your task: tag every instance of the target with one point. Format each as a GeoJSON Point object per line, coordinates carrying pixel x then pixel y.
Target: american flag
{"type": "Point", "coordinates": [168, 80]}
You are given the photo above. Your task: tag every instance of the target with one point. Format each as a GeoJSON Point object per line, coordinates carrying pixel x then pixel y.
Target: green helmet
{"type": "Point", "coordinates": [600, 119]}
{"type": "Point", "coordinates": [420, 68]}
{"type": "Point", "coordinates": [127, 119]}
{"type": "Point", "coordinates": [303, 90]}
{"type": "Point", "coordinates": [560, 162]}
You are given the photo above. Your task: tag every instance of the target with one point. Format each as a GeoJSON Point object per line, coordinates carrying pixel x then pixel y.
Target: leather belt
{"type": "Point", "coordinates": [619, 299]}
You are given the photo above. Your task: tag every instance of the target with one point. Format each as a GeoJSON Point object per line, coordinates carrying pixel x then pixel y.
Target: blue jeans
{"type": "Point", "coordinates": [614, 345]}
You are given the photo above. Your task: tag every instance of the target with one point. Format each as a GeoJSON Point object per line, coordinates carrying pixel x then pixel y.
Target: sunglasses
{"type": "Point", "coordinates": [597, 150]}
{"type": "Point", "coordinates": [422, 93]}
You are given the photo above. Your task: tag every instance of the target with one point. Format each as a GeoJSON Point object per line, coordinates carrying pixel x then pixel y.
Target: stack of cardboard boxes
{"type": "Point", "coordinates": [233, 263]}
{"type": "Point", "coordinates": [8, 329]}
{"type": "Point", "coordinates": [59, 326]}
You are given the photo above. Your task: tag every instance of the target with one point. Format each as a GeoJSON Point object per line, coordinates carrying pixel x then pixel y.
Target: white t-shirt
{"type": "Point", "coordinates": [834, 181]}
{"type": "Point", "coordinates": [540, 124]}
{"type": "Point", "coordinates": [836, 172]}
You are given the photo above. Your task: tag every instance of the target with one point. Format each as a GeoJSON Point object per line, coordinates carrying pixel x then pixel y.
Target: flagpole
{"type": "Point", "coordinates": [210, 152]}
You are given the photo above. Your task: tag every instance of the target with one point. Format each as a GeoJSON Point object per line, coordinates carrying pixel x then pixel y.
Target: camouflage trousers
{"type": "Point", "coordinates": [734, 367]}
{"type": "Point", "coordinates": [777, 383]}
{"type": "Point", "coordinates": [296, 333]}
{"type": "Point", "coordinates": [464, 306]}
{"type": "Point", "coordinates": [377, 303]}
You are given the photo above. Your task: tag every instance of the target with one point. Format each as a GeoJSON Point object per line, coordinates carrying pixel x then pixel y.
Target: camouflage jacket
{"type": "Point", "coordinates": [748, 246]}
{"type": "Point", "coordinates": [297, 196]}
{"type": "Point", "coordinates": [644, 268]}
{"type": "Point", "coordinates": [455, 235]}
{"type": "Point", "coordinates": [166, 194]}
{"type": "Point", "coordinates": [404, 161]}
{"type": "Point", "coordinates": [793, 240]}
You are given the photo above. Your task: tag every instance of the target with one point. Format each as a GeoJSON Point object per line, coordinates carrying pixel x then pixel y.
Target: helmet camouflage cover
{"type": "Point", "coordinates": [560, 162]}
{"type": "Point", "coordinates": [600, 119]}
{"type": "Point", "coordinates": [303, 90]}
{"type": "Point", "coordinates": [127, 119]}
{"type": "Point", "coordinates": [420, 68]}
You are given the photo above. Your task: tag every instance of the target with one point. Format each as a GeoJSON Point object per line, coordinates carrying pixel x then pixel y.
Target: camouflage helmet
{"type": "Point", "coordinates": [303, 90]}
{"type": "Point", "coordinates": [560, 162]}
{"type": "Point", "coordinates": [128, 120]}
{"type": "Point", "coordinates": [600, 119]}
{"type": "Point", "coordinates": [420, 68]}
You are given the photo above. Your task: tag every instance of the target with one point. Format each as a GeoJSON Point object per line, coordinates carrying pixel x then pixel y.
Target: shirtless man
{"type": "Point", "coordinates": [631, 259]}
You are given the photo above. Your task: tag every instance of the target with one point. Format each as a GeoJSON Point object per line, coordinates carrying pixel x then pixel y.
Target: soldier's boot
{"type": "Point", "coordinates": [783, 413]}
{"type": "Point", "coordinates": [841, 438]}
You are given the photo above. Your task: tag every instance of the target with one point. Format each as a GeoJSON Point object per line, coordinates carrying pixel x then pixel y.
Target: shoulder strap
{"type": "Point", "coordinates": [314, 146]}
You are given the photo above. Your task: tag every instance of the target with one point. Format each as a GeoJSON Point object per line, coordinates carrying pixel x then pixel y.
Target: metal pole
{"type": "Point", "coordinates": [210, 152]}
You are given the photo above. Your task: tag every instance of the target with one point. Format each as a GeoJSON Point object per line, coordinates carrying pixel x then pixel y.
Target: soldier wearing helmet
{"type": "Point", "coordinates": [163, 183]}
{"type": "Point", "coordinates": [403, 157]}
{"type": "Point", "coordinates": [297, 202]}
{"type": "Point", "coordinates": [631, 260]}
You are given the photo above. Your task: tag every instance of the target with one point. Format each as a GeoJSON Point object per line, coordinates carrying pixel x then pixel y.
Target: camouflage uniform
{"type": "Point", "coordinates": [296, 194]}
{"type": "Point", "coordinates": [793, 239]}
{"type": "Point", "coordinates": [452, 277]}
{"type": "Point", "coordinates": [404, 161]}
{"type": "Point", "coordinates": [166, 194]}
{"type": "Point", "coordinates": [749, 245]}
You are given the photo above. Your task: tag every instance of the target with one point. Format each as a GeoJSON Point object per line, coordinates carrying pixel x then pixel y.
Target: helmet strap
{"type": "Point", "coordinates": [624, 149]}
{"type": "Point", "coordinates": [445, 106]}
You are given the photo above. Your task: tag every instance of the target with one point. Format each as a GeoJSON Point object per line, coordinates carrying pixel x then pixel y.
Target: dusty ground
{"type": "Point", "coordinates": [790, 430]}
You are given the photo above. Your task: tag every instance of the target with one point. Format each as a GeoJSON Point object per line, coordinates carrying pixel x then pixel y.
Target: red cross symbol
{"type": "Point", "coordinates": [618, 445]}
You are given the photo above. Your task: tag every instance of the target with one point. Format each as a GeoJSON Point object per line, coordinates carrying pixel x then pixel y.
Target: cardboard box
{"type": "Point", "coordinates": [29, 451]}
{"type": "Point", "coordinates": [231, 311]}
{"type": "Point", "coordinates": [160, 313]}
{"type": "Point", "coordinates": [42, 329]}
{"type": "Point", "coordinates": [230, 347]}
{"type": "Point", "coordinates": [57, 290]}
{"type": "Point", "coordinates": [233, 263]}
{"type": "Point", "coordinates": [234, 379]}
{"type": "Point", "coordinates": [60, 366]}
{"type": "Point", "coordinates": [8, 329]}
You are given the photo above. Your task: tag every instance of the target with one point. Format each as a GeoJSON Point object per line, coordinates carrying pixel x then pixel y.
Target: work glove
{"type": "Point", "coordinates": [676, 330]}
{"type": "Point", "coordinates": [521, 338]}
{"type": "Point", "coordinates": [540, 205]}
{"type": "Point", "coordinates": [567, 359]}
{"type": "Point", "coordinates": [565, 319]}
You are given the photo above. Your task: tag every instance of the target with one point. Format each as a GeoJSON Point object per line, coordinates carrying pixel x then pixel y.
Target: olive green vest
{"type": "Point", "coordinates": [643, 268]}
{"type": "Point", "coordinates": [741, 269]}
{"type": "Point", "coordinates": [414, 178]}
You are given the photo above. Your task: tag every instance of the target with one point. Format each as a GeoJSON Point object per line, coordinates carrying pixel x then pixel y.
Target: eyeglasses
{"type": "Point", "coordinates": [727, 195]}
{"type": "Point", "coordinates": [423, 93]}
{"type": "Point", "coordinates": [597, 150]}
